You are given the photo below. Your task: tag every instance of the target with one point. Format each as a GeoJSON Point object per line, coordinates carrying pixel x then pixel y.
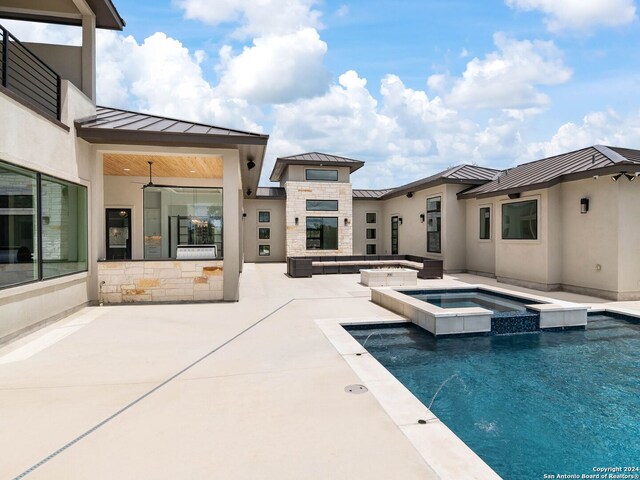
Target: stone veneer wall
{"type": "Point", "coordinates": [297, 195]}
{"type": "Point", "coordinates": [158, 281]}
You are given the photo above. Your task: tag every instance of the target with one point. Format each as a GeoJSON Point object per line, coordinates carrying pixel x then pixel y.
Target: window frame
{"type": "Point", "coordinates": [268, 212]}
{"type": "Point", "coordinates": [260, 247]}
{"type": "Point", "coordinates": [337, 205]}
{"type": "Point", "coordinates": [375, 249]}
{"type": "Point", "coordinates": [268, 231]}
{"type": "Point", "coordinates": [375, 218]}
{"type": "Point", "coordinates": [536, 238]}
{"type": "Point", "coordinates": [321, 234]}
{"type": "Point", "coordinates": [307, 170]}
{"type": "Point", "coordinates": [37, 235]}
{"type": "Point", "coordinates": [489, 236]}
{"type": "Point", "coordinates": [438, 224]}
{"type": "Point", "coordinates": [373, 231]}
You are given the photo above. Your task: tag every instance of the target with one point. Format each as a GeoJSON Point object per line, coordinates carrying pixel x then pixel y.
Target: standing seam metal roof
{"type": "Point", "coordinates": [463, 174]}
{"type": "Point", "coordinates": [124, 120]}
{"type": "Point", "coordinates": [313, 159]}
{"type": "Point", "coordinates": [551, 170]}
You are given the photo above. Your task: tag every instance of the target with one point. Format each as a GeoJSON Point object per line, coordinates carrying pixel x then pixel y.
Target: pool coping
{"type": "Point", "coordinates": [442, 450]}
{"type": "Point", "coordinates": [474, 320]}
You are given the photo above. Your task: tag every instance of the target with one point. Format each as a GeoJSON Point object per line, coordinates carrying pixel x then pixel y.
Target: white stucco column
{"type": "Point", "coordinates": [231, 211]}
{"type": "Point", "coordinates": [89, 56]}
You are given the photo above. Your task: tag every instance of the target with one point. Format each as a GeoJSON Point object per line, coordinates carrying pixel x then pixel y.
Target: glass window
{"type": "Point", "coordinates": [485, 223]}
{"type": "Point", "coordinates": [264, 217]}
{"type": "Point", "coordinates": [264, 250]}
{"type": "Point", "coordinates": [520, 220]}
{"type": "Point", "coordinates": [371, 217]}
{"type": "Point", "coordinates": [371, 249]}
{"type": "Point", "coordinates": [64, 227]}
{"type": "Point", "coordinates": [321, 175]}
{"type": "Point", "coordinates": [371, 233]}
{"type": "Point", "coordinates": [264, 233]}
{"type": "Point", "coordinates": [18, 226]}
{"type": "Point", "coordinates": [322, 205]}
{"type": "Point", "coordinates": [322, 233]}
{"type": "Point", "coordinates": [177, 216]}
{"type": "Point", "coordinates": [434, 224]}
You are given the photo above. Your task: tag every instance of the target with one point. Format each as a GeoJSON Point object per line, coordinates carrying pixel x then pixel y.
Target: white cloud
{"type": "Point", "coordinates": [255, 17]}
{"type": "Point", "coordinates": [343, 11]}
{"type": "Point", "coordinates": [506, 78]}
{"type": "Point", "coordinates": [161, 76]}
{"type": "Point", "coordinates": [44, 32]}
{"type": "Point", "coordinates": [580, 14]}
{"type": "Point", "coordinates": [276, 69]}
{"type": "Point", "coordinates": [605, 127]}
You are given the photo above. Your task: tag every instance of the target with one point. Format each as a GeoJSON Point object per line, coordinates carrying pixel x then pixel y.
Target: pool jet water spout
{"type": "Point", "coordinates": [366, 340]}
{"type": "Point", "coordinates": [441, 386]}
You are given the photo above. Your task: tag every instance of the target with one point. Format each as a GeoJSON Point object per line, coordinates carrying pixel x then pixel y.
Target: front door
{"type": "Point", "coordinates": [118, 233]}
{"type": "Point", "coordinates": [394, 235]}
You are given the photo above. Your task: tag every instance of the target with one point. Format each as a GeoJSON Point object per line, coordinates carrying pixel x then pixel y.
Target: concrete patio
{"type": "Point", "coordinates": [229, 390]}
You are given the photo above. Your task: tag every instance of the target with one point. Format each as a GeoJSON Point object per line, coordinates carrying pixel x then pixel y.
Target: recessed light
{"type": "Point", "coordinates": [127, 169]}
{"type": "Point", "coordinates": [192, 171]}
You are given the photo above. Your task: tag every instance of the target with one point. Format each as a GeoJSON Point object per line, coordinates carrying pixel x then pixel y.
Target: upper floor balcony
{"type": "Point", "coordinates": [25, 75]}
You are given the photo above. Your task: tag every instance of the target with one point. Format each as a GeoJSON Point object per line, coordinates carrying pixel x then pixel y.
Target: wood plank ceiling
{"type": "Point", "coordinates": [178, 166]}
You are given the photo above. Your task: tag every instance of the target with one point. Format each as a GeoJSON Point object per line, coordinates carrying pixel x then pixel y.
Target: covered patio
{"type": "Point", "coordinates": [169, 213]}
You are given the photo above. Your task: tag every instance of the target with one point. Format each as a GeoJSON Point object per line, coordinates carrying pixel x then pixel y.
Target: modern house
{"type": "Point", "coordinates": [100, 204]}
{"type": "Point", "coordinates": [565, 222]}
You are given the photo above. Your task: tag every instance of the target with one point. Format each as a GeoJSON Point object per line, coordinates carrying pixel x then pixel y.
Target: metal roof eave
{"type": "Point", "coordinates": [433, 183]}
{"type": "Point", "coordinates": [107, 16]}
{"type": "Point", "coordinates": [173, 139]}
{"type": "Point", "coordinates": [608, 170]}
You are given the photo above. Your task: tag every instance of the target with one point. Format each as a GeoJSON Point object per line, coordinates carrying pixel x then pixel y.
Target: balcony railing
{"type": "Point", "coordinates": [24, 74]}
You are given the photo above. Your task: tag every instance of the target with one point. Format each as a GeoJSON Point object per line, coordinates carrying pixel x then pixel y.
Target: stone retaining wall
{"type": "Point", "coordinates": [154, 281]}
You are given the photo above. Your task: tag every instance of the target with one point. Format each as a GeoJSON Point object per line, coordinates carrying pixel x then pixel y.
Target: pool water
{"type": "Point", "coordinates": [528, 405]}
{"type": "Point", "coordinates": [472, 298]}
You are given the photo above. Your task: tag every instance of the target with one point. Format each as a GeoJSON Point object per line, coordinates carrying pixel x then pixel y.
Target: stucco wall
{"type": "Point", "coordinates": [360, 226]}
{"type": "Point", "coordinates": [277, 226]}
{"type": "Point", "coordinates": [590, 247]}
{"type": "Point", "coordinates": [529, 261]}
{"type": "Point", "coordinates": [297, 195]}
{"type": "Point", "coordinates": [480, 254]}
{"type": "Point", "coordinates": [30, 141]}
{"type": "Point", "coordinates": [628, 239]}
{"type": "Point", "coordinates": [66, 60]}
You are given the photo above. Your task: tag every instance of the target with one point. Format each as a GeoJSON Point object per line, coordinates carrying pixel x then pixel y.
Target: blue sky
{"type": "Point", "coordinates": [410, 87]}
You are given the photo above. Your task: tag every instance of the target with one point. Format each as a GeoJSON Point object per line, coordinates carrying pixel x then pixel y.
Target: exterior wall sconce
{"type": "Point", "coordinates": [584, 205]}
{"type": "Point", "coordinates": [513, 196]}
{"type": "Point", "coordinates": [250, 163]}
{"type": "Point", "coordinates": [615, 178]}
{"type": "Point", "coordinates": [346, 222]}
{"type": "Point", "coordinates": [422, 218]}
{"type": "Point", "coordinates": [400, 220]}
{"type": "Point", "coordinates": [249, 192]}
{"type": "Point", "coordinates": [410, 194]}
{"type": "Point", "coordinates": [297, 220]}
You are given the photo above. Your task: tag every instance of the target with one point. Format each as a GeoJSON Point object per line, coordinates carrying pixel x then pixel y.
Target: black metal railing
{"type": "Point", "coordinates": [24, 74]}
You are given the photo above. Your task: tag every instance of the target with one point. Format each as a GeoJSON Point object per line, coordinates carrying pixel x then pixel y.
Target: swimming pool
{"type": "Point", "coordinates": [528, 405]}
{"type": "Point", "coordinates": [465, 298]}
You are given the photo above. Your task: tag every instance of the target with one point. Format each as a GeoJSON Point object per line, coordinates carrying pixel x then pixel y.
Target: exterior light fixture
{"type": "Point", "coordinates": [422, 218]}
{"type": "Point", "coordinates": [595, 177]}
{"type": "Point", "coordinates": [410, 194]}
{"type": "Point", "coordinates": [249, 192]}
{"type": "Point", "coordinates": [584, 205]}
{"type": "Point", "coordinates": [297, 220]}
{"type": "Point", "coordinates": [513, 196]}
{"type": "Point", "coordinates": [400, 220]}
{"type": "Point", "coordinates": [615, 178]}
{"type": "Point", "coordinates": [346, 222]}
{"type": "Point", "coordinates": [250, 163]}
{"type": "Point", "coordinates": [630, 177]}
